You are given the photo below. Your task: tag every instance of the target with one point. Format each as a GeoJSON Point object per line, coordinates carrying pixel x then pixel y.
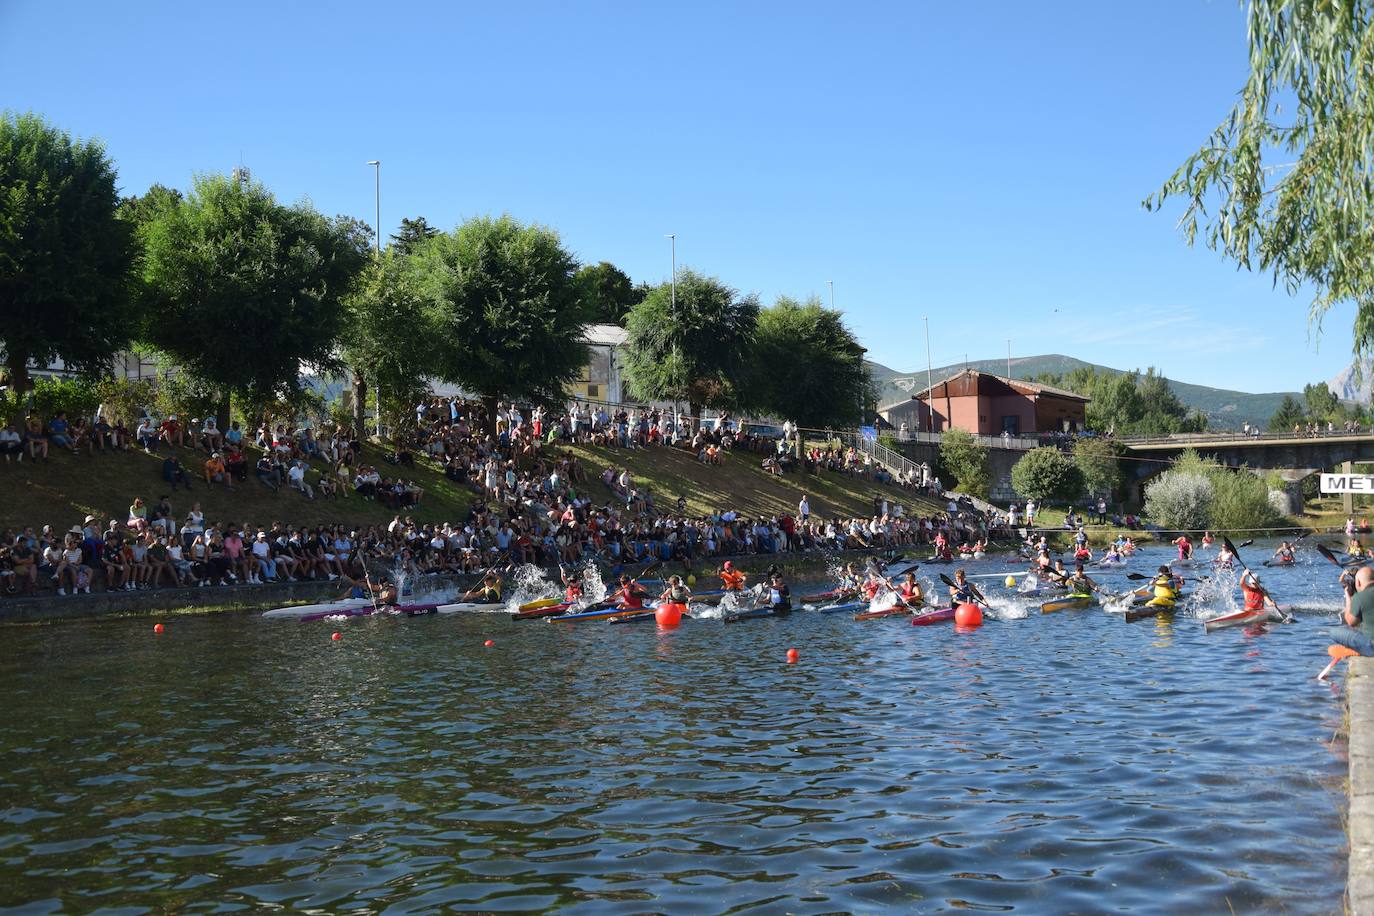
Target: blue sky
{"type": "Point", "coordinates": [982, 164]}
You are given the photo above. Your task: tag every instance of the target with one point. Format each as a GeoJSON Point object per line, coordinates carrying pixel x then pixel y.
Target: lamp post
{"type": "Point", "coordinates": [1008, 360]}
{"type": "Point", "coordinates": [377, 167]}
{"type": "Point", "coordinates": [930, 385]}
{"type": "Point", "coordinates": [831, 283]}
{"type": "Point", "coordinates": [672, 288]}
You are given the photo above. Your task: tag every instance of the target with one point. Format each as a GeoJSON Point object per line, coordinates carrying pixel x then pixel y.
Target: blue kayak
{"type": "Point", "coordinates": [755, 614]}
{"type": "Point", "coordinates": [847, 608]}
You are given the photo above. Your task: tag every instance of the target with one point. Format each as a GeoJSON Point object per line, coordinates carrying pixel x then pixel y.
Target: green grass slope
{"type": "Point", "coordinates": [63, 491]}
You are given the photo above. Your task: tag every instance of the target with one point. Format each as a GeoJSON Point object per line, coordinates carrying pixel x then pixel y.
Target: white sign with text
{"type": "Point", "coordinates": [1347, 483]}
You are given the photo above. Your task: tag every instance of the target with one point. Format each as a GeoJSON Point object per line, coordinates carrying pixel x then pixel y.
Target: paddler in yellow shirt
{"type": "Point", "coordinates": [1166, 587]}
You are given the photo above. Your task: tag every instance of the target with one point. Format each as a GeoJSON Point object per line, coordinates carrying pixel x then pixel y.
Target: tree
{"type": "Point", "coordinates": [1180, 500]}
{"type": "Point", "coordinates": [1047, 475]}
{"type": "Point", "coordinates": [1097, 462]}
{"type": "Point", "coordinates": [1309, 219]}
{"type": "Point", "coordinates": [1128, 403]}
{"type": "Point", "coordinates": [64, 254]}
{"type": "Point", "coordinates": [695, 351]}
{"type": "Point", "coordinates": [1289, 414]}
{"type": "Point", "coordinates": [242, 290]}
{"type": "Point", "coordinates": [962, 456]}
{"type": "Point", "coordinates": [608, 293]}
{"type": "Point", "coordinates": [412, 234]}
{"type": "Point", "coordinates": [502, 309]}
{"type": "Point", "coordinates": [385, 318]}
{"type": "Point", "coordinates": [1322, 403]}
{"type": "Point", "coordinates": [807, 366]}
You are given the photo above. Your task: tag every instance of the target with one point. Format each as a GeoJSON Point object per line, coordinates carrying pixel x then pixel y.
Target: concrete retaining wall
{"type": "Point", "coordinates": [1360, 704]}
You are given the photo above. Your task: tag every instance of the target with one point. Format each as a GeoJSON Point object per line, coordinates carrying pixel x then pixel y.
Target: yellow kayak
{"type": "Point", "coordinates": [541, 603]}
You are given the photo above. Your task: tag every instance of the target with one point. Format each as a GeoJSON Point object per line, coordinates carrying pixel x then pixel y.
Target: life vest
{"type": "Point", "coordinates": [1078, 588]}
{"type": "Point", "coordinates": [574, 592]}
{"type": "Point", "coordinates": [629, 598]}
{"type": "Point", "coordinates": [732, 579]}
{"type": "Point", "coordinates": [1165, 593]}
{"type": "Point", "coordinates": [871, 590]}
{"type": "Point", "coordinates": [1254, 598]}
{"type": "Point", "coordinates": [909, 593]}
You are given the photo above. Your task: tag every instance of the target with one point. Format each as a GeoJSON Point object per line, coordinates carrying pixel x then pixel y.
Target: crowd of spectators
{"type": "Point", "coordinates": [533, 502]}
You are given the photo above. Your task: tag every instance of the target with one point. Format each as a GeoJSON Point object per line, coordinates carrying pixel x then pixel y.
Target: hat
{"type": "Point", "coordinates": [89, 519]}
{"type": "Point", "coordinates": [263, 535]}
{"type": "Point", "coordinates": [76, 529]}
{"type": "Point", "coordinates": [729, 565]}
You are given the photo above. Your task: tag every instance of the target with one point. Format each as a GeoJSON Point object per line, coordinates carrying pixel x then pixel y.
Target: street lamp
{"type": "Point", "coordinates": [377, 164]}
{"type": "Point", "coordinates": [930, 385]}
{"type": "Point", "coordinates": [831, 283]}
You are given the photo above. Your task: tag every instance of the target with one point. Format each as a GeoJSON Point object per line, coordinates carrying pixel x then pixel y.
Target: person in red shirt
{"type": "Point", "coordinates": [630, 596]}
{"type": "Point", "coordinates": [1254, 593]}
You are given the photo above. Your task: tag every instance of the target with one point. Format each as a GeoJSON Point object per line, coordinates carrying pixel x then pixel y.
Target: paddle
{"type": "Point", "coordinates": [1326, 552]}
{"type": "Point", "coordinates": [1337, 653]}
{"type": "Point", "coordinates": [1284, 617]}
{"type": "Point", "coordinates": [467, 595]}
{"type": "Point", "coordinates": [973, 590]}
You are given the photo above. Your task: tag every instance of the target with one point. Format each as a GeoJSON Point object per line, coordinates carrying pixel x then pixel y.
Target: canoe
{"type": "Point", "coordinates": [551, 610]}
{"type": "Point", "coordinates": [1236, 619]}
{"type": "Point", "coordinates": [757, 613]}
{"type": "Point", "coordinates": [455, 607]}
{"type": "Point", "coordinates": [846, 607]}
{"type": "Point", "coordinates": [324, 607]}
{"type": "Point", "coordinates": [542, 602]}
{"type": "Point", "coordinates": [938, 615]}
{"type": "Point", "coordinates": [897, 610]}
{"type": "Point", "coordinates": [592, 614]}
{"type": "Point", "coordinates": [1071, 603]}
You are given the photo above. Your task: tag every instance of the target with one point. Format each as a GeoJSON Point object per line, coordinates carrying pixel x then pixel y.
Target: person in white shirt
{"type": "Point", "coordinates": [262, 553]}
{"type": "Point", "coordinates": [11, 443]}
{"type": "Point", "coordinates": [804, 509]}
{"type": "Point", "coordinates": [295, 478]}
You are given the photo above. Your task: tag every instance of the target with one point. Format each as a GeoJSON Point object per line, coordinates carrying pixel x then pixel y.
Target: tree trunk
{"type": "Point", "coordinates": [18, 366]}
{"type": "Point", "coordinates": [222, 413]}
{"type": "Point", "coordinates": [489, 405]}
{"type": "Point", "coordinates": [694, 409]}
{"type": "Point", "coordinates": [359, 405]}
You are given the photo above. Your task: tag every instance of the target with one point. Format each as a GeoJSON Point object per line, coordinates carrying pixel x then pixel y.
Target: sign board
{"type": "Point", "coordinates": [1347, 483]}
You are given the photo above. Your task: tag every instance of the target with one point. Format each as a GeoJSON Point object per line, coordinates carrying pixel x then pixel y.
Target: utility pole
{"type": "Point", "coordinates": [930, 385]}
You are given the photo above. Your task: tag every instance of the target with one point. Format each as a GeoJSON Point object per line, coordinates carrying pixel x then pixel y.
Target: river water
{"type": "Point", "coordinates": [1068, 762]}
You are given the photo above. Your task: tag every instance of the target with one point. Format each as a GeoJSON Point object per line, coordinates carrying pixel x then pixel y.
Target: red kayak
{"type": "Point", "coordinates": [548, 610]}
{"type": "Point", "coordinates": [939, 615]}
{"type": "Point", "coordinates": [835, 594]}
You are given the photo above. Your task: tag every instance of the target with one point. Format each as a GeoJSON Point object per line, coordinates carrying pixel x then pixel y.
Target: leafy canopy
{"type": "Point", "coordinates": [241, 290]}
{"type": "Point", "coordinates": [1128, 403]}
{"type": "Point", "coordinates": [1047, 475]}
{"type": "Point", "coordinates": [1283, 184]}
{"type": "Point", "coordinates": [808, 366]}
{"type": "Point", "coordinates": [962, 456]}
{"type": "Point", "coordinates": [501, 311]}
{"type": "Point", "coordinates": [1097, 461]}
{"type": "Point", "coordinates": [608, 292]}
{"type": "Point", "coordinates": [695, 351]}
{"type": "Point", "coordinates": [64, 254]}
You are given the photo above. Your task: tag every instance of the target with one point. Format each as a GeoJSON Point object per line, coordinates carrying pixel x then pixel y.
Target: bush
{"type": "Point", "coordinates": [962, 457]}
{"type": "Point", "coordinates": [1097, 460]}
{"type": "Point", "coordinates": [1241, 502]}
{"type": "Point", "coordinates": [1180, 500]}
{"type": "Point", "coordinates": [77, 396]}
{"type": "Point", "coordinates": [1047, 475]}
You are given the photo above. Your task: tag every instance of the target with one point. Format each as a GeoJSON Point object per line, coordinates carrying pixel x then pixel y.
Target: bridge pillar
{"type": "Point", "coordinates": [1348, 499]}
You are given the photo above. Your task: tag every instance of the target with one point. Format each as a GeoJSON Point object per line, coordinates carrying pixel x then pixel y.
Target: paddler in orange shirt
{"type": "Point", "coordinates": [731, 579]}
{"type": "Point", "coordinates": [1254, 594]}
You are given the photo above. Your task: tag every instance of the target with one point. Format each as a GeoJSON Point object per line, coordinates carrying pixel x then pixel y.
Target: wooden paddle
{"type": "Point", "coordinates": [469, 594]}
{"type": "Point", "coordinates": [1284, 617]}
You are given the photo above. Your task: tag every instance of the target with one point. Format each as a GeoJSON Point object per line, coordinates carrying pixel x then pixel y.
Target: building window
{"type": "Point", "coordinates": [593, 391]}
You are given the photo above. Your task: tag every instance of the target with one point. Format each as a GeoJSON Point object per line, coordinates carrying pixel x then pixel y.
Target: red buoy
{"type": "Point", "coordinates": [668, 615]}
{"type": "Point", "coordinates": [968, 615]}
{"type": "Point", "coordinates": [792, 656]}
{"type": "Point", "coordinates": [337, 636]}
{"type": "Point", "coordinates": [489, 643]}
{"type": "Point", "coordinates": [158, 628]}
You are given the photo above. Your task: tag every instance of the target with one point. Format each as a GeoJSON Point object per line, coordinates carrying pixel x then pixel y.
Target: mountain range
{"type": "Point", "coordinates": [1353, 383]}
{"type": "Point", "coordinates": [1223, 408]}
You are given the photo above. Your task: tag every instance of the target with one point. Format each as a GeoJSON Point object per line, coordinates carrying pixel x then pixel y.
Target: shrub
{"type": "Point", "coordinates": [1240, 502]}
{"type": "Point", "coordinates": [967, 461]}
{"type": "Point", "coordinates": [1097, 460]}
{"type": "Point", "coordinates": [1180, 500]}
{"type": "Point", "coordinates": [1047, 475]}
{"type": "Point", "coordinates": [77, 396]}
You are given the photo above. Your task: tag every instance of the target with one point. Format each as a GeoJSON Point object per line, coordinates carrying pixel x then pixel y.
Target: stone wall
{"type": "Point", "coordinates": [1360, 702]}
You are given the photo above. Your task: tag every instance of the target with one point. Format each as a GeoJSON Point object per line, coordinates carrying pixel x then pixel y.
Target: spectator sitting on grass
{"type": "Point", "coordinates": [147, 434]}
{"type": "Point", "coordinates": [267, 473]}
{"type": "Point", "coordinates": [174, 473]}
{"type": "Point", "coordinates": [60, 432]}
{"type": "Point", "coordinates": [234, 436]}
{"type": "Point", "coordinates": [237, 465]}
{"type": "Point", "coordinates": [211, 439]}
{"type": "Point", "coordinates": [103, 435]}
{"type": "Point", "coordinates": [172, 432]}
{"type": "Point", "coordinates": [295, 479]}
{"type": "Point", "coordinates": [11, 443]}
{"type": "Point", "coordinates": [37, 442]}
{"type": "Point", "coordinates": [138, 515]}
{"type": "Point", "coordinates": [216, 472]}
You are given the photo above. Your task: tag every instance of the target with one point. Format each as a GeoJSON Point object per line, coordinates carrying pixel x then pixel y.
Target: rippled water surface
{"type": "Point", "coordinates": [1053, 763]}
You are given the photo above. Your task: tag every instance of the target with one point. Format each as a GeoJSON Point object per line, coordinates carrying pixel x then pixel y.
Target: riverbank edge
{"type": "Point", "coordinates": [249, 598]}
{"type": "Point", "coordinates": [1360, 711]}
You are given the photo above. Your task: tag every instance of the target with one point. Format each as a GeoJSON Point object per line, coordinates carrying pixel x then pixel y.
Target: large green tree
{"type": "Point", "coordinates": [1284, 184]}
{"type": "Point", "coordinates": [1047, 475]}
{"type": "Point", "coordinates": [64, 254]}
{"type": "Point", "coordinates": [695, 350]}
{"type": "Point", "coordinates": [1098, 462]}
{"type": "Point", "coordinates": [965, 458]}
{"type": "Point", "coordinates": [1129, 403]}
{"type": "Point", "coordinates": [807, 366]}
{"type": "Point", "coordinates": [412, 234]}
{"type": "Point", "coordinates": [608, 292]}
{"type": "Point", "coordinates": [503, 310]}
{"type": "Point", "coordinates": [242, 290]}
{"type": "Point", "coordinates": [386, 319]}
{"type": "Point", "coordinates": [1289, 414]}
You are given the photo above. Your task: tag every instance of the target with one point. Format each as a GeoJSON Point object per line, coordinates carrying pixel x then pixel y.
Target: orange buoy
{"type": "Point", "coordinates": [669, 615]}
{"type": "Point", "coordinates": [158, 628]}
{"type": "Point", "coordinates": [968, 615]}
{"type": "Point", "coordinates": [337, 636]}
{"type": "Point", "coordinates": [792, 656]}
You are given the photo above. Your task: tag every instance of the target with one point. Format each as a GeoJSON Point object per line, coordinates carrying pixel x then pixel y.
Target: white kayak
{"type": "Point", "coordinates": [480, 606]}
{"type": "Point", "coordinates": [328, 607]}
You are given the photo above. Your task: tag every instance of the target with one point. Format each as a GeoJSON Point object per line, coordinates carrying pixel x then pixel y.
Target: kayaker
{"type": "Point", "coordinates": [1111, 557]}
{"type": "Point", "coordinates": [1284, 555]}
{"type": "Point", "coordinates": [910, 591]}
{"type": "Point", "coordinates": [779, 597]}
{"type": "Point", "coordinates": [629, 595]}
{"type": "Point", "coordinates": [1254, 594]}
{"type": "Point", "coordinates": [1082, 554]}
{"type": "Point", "coordinates": [1185, 547]}
{"type": "Point", "coordinates": [1355, 549]}
{"type": "Point", "coordinates": [850, 579]}
{"type": "Point", "coordinates": [1080, 584]}
{"type": "Point", "coordinates": [1166, 586]}
{"type": "Point", "coordinates": [388, 595]}
{"type": "Point", "coordinates": [572, 587]}
{"type": "Point", "coordinates": [731, 579]}
{"type": "Point", "coordinates": [676, 592]}
{"type": "Point", "coordinates": [1358, 616]}
{"type": "Point", "coordinates": [1206, 539]}
{"type": "Point", "coordinates": [961, 592]}
{"type": "Point", "coordinates": [1224, 557]}
{"type": "Point", "coordinates": [873, 585]}
{"type": "Point", "coordinates": [489, 592]}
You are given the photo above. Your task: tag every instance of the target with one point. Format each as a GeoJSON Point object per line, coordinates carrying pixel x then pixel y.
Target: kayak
{"type": "Point", "coordinates": [542, 602]}
{"type": "Point", "coordinates": [939, 615]}
{"type": "Point", "coordinates": [1236, 619]}
{"type": "Point", "coordinates": [457, 606]}
{"type": "Point", "coordinates": [639, 617]}
{"type": "Point", "coordinates": [551, 610]}
{"type": "Point", "coordinates": [594, 614]}
{"type": "Point", "coordinates": [1142, 611]}
{"type": "Point", "coordinates": [408, 610]}
{"type": "Point", "coordinates": [846, 607]}
{"type": "Point", "coordinates": [1071, 603]}
{"type": "Point", "coordinates": [326, 607]}
{"type": "Point", "coordinates": [757, 613]}
{"type": "Point", "coordinates": [897, 610]}
{"type": "Point", "coordinates": [831, 595]}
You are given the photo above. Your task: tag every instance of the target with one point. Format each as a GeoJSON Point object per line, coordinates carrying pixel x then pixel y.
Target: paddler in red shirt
{"type": "Point", "coordinates": [1185, 547]}
{"type": "Point", "coordinates": [910, 592]}
{"type": "Point", "coordinates": [1254, 594]}
{"type": "Point", "coordinates": [731, 579]}
{"type": "Point", "coordinates": [630, 596]}
{"type": "Point", "coordinates": [572, 588]}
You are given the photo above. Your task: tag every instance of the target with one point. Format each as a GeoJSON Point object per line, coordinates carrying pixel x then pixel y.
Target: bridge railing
{"type": "Point", "coordinates": [1190, 438]}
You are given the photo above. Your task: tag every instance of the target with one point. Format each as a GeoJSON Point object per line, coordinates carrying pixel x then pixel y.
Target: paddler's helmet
{"type": "Point", "coordinates": [729, 565]}
{"type": "Point", "coordinates": [1165, 570]}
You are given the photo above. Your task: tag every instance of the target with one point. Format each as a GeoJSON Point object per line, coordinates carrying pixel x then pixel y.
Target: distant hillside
{"type": "Point", "coordinates": [1224, 409]}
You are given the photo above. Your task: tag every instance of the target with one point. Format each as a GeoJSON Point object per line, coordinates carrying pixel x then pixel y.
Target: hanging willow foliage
{"type": "Point", "coordinates": [1284, 184]}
